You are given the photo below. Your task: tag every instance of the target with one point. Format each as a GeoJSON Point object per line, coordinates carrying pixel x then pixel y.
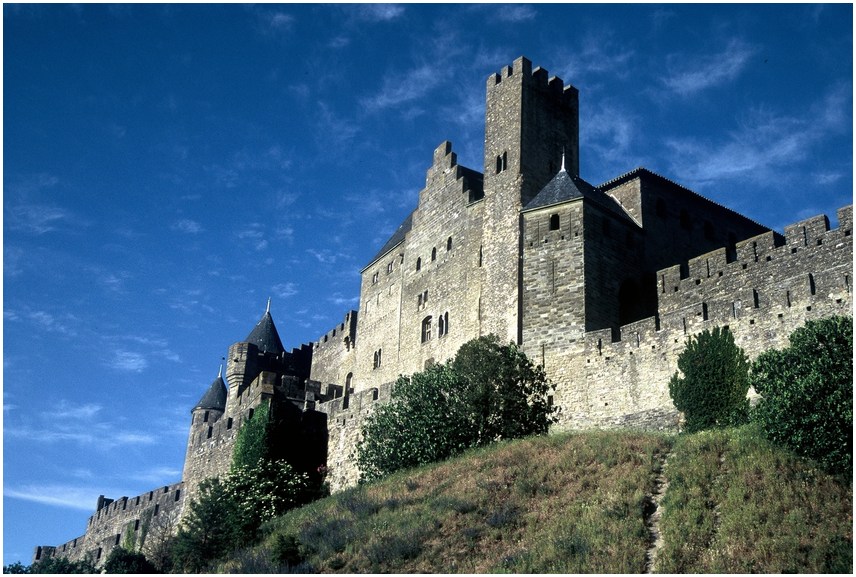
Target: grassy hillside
{"type": "Point", "coordinates": [578, 503]}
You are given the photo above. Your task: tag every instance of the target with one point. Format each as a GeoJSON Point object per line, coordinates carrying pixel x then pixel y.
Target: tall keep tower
{"type": "Point", "coordinates": [530, 121]}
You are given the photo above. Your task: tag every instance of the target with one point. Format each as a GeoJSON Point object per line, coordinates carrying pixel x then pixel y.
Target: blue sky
{"type": "Point", "coordinates": [166, 169]}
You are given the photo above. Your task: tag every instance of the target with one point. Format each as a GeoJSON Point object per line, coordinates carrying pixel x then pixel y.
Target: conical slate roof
{"type": "Point", "coordinates": [215, 397]}
{"type": "Point", "coordinates": [264, 335]}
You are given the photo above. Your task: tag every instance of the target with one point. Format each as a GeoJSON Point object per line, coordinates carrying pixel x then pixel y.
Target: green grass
{"type": "Point", "coordinates": [576, 503]}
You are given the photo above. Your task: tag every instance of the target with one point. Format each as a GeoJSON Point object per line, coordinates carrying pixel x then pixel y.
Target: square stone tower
{"type": "Point", "coordinates": [530, 122]}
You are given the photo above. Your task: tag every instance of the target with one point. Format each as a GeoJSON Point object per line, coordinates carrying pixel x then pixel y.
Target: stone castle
{"type": "Point", "coordinates": [601, 285]}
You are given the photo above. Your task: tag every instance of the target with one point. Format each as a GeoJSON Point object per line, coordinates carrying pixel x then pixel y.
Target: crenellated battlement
{"type": "Point", "coordinates": [521, 70]}
{"type": "Point", "coordinates": [807, 251]}
{"type": "Point", "coordinates": [343, 334]}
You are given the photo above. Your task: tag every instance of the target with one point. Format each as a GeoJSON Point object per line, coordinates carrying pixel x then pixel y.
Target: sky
{"type": "Point", "coordinates": [167, 169]}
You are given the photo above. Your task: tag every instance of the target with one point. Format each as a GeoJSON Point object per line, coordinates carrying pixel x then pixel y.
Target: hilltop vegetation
{"type": "Point", "coordinates": [578, 503]}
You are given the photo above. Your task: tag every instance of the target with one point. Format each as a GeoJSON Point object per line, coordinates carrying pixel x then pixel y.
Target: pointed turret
{"type": "Point", "coordinates": [215, 397]}
{"type": "Point", "coordinates": [264, 335]}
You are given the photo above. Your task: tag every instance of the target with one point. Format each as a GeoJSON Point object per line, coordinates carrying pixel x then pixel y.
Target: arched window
{"type": "Point", "coordinates": [426, 329]}
{"type": "Point", "coordinates": [348, 380]}
{"type": "Point", "coordinates": [554, 222]}
{"type": "Point", "coordinates": [433, 254]}
{"type": "Point", "coordinates": [441, 326]}
{"type": "Point", "coordinates": [449, 243]}
{"type": "Point", "coordinates": [419, 264]}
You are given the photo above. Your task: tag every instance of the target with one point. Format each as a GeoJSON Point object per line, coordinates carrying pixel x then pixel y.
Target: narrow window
{"type": "Point", "coordinates": [709, 233]}
{"type": "Point", "coordinates": [374, 361]}
{"type": "Point", "coordinates": [379, 357]}
{"type": "Point", "coordinates": [157, 510]}
{"type": "Point", "coordinates": [441, 326]}
{"type": "Point", "coordinates": [136, 525]}
{"type": "Point", "coordinates": [205, 417]}
{"type": "Point", "coordinates": [756, 299]}
{"type": "Point", "coordinates": [480, 256]}
{"type": "Point", "coordinates": [446, 319]}
{"type": "Point", "coordinates": [426, 329]}
{"type": "Point", "coordinates": [177, 495]}
{"type": "Point", "coordinates": [433, 254]}
{"type": "Point", "coordinates": [418, 264]}
{"type": "Point", "coordinates": [554, 222]}
{"type": "Point", "coordinates": [449, 243]}
{"type": "Point", "coordinates": [229, 423]}
{"type": "Point", "coordinates": [419, 301]}
{"type": "Point", "coordinates": [250, 414]}
{"type": "Point", "coordinates": [505, 160]}
{"type": "Point", "coordinates": [811, 286]}
{"type": "Point", "coordinates": [374, 278]}
{"type": "Point", "coordinates": [210, 431]}
{"type": "Point", "coordinates": [389, 268]}
{"type": "Point", "coordinates": [118, 538]}
{"type": "Point", "coordinates": [704, 311]}
{"type": "Point", "coordinates": [686, 223]}
{"type": "Point", "coordinates": [348, 380]}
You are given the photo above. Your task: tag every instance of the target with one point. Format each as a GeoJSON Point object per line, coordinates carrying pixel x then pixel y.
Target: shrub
{"type": "Point", "coordinates": [487, 393]}
{"type": "Point", "coordinates": [712, 391]}
{"type": "Point", "coordinates": [504, 395]}
{"type": "Point", "coordinates": [120, 560]}
{"type": "Point", "coordinates": [63, 566]}
{"type": "Point", "coordinates": [807, 393]}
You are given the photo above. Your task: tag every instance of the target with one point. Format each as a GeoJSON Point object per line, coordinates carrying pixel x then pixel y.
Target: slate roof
{"type": "Point", "coordinates": [396, 239]}
{"type": "Point", "coordinates": [562, 188]}
{"type": "Point", "coordinates": [265, 337]}
{"type": "Point", "coordinates": [214, 397]}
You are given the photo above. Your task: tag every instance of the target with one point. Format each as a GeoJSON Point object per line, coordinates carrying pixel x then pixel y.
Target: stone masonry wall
{"type": "Point", "coordinates": [762, 297]}
{"type": "Point", "coordinates": [334, 354]}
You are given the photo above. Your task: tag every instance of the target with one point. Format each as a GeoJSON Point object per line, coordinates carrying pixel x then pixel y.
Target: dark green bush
{"type": "Point", "coordinates": [807, 393]}
{"type": "Point", "coordinates": [487, 393]}
{"type": "Point", "coordinates": [712, 391]}
{"type": "Point", "coordinates": [120, 560]}
{"type": "Point", "coordinates": [62, 566]}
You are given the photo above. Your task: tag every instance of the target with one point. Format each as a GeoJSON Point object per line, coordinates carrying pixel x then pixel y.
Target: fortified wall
{"type": "Point", "coordinates": [766, 292]}
{"type": "Point", "coordinates": [128, 520]}
{"type": "Point", "coordinates": [766, 288]}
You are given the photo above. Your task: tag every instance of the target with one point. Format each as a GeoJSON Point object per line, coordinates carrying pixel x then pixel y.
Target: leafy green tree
{"type": "Point", "coordinates": [16, 568]}
{"type": "Point", "coordinates": [504, 394]}
{"type": "Point", "coordinates": [712, 391]}
{"type": "Point", "coordinates": [210, 529]}
{"type": "Point", "coordinates": [120, 560]}
{"type": "Point", "coordinates": [807, 393]}
{"type": "Point", "coordinates": [487, 393]}
{"type": "Point", "coordinates": [265, 490]}
{"type": "Point", "coordinates": [419, 425]}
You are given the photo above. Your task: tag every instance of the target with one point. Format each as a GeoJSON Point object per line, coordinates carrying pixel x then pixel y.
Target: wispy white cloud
{"type": "Point", "coordinates": [764, 142]}
{"type": "Point", "coordinates": [327, 256]}
{"type": "Point", "coordinates": [84, 424]}
{"type": "Point", "coordinates": [37, 218]}
{"type": "Point", "coordinates": [67, 496]}
{"type": "Point", "coordinates": [44, 321]}
{"type": "Point", "coordinates": [687, 75]}
{"type": "Point", "coordinates": [514, 13]}
{"type": "Point", "coordinates": [284, 290]}
{"type": "Point", "coordinates": [379, 12]}
{"type": "Point", "coordinates": [398, 89]}
{"type": "Point", "coordinates": [130, 361]}
{"type": "Point", "coordinates": [187, 226]}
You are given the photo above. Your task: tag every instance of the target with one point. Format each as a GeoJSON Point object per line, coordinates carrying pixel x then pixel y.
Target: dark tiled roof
{"type": "Point", "coordinates": [562, 188]}
{"type": "Point", "coordinates": [265, 337]}
{"type": "Point", "coordinates": [214, 397]}
{"type": "Point", "coordinates": [396, 238]}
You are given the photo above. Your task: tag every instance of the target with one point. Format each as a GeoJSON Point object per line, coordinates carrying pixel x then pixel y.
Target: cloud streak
{"type": "Point", "coordinates": [687, 77]}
